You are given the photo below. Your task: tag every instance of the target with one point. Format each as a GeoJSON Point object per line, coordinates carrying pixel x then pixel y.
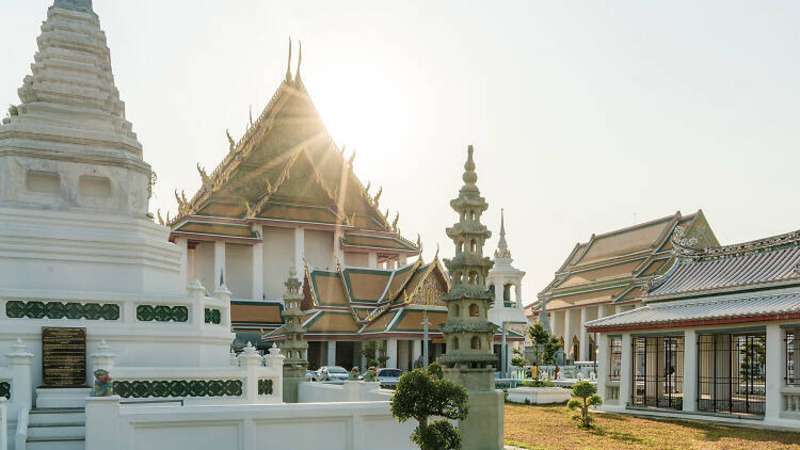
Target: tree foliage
{"type": "Point", "coordinates": [420, 396]}
{"type": "Point", "coordinates": [584, 396]}
{"type": "Point", "coordinates": [435, 370]}
{"type": "Point", "coordinates": [551, 342]}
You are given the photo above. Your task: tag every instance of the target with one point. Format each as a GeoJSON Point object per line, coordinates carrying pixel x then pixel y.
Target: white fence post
{"type": "Point", "coordinates": [20, 365]}
{"type": "Point", "coordinates": [3, 424]}
{"type": "Point", "coordinates": [102, 423]}
{"type": "Point", "coordinates": [250, 361]}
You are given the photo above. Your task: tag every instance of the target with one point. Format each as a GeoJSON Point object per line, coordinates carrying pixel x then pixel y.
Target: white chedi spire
{"type": "Point", "coordinates": [69, 136]}
{"type": "Point", "coordinates": [502, 246]}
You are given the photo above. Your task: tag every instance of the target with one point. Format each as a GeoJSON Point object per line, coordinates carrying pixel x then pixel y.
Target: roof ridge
{"type": "Point", "coordinates": [772, 243]}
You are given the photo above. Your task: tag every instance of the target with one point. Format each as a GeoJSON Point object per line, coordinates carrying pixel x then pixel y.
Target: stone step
{"type": "Point", "coordinates": [62, 397]}
{"type": "Point", "coordinates": [56, 432]}
{"type": "Point", "coordinates": [56, 444]}
{"type": "Point", "coordinates": [67, 417]}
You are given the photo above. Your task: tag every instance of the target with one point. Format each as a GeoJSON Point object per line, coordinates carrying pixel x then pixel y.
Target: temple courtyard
{"type": "Point", "coordinates": [551, 427]}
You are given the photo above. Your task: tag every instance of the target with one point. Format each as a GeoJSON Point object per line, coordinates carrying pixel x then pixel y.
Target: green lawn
{"type": "Point", "coordinates": [551, 427]}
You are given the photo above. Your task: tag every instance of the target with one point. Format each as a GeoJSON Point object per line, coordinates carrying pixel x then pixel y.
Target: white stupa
{"type": "Point", "coordinates": [76, 246]}
{"type": "Point", "coordinates": [506, 281]}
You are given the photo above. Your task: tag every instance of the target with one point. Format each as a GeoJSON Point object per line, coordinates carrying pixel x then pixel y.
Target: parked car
{"type": "Point", "coordinates": [311, 374]}
{"type": "Point", "coordinates": [387, 377]}
{"type": "Point", "coordinates": [331, 373]}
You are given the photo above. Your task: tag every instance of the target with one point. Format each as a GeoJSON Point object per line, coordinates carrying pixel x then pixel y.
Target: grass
{"type": "Point", "coordinates": [551, 427]}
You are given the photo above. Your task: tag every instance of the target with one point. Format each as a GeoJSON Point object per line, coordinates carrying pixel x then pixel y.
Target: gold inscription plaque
{"type": "Point", "coordinates": [63, 357]}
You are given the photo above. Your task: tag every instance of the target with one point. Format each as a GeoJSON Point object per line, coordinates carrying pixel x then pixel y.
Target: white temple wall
{"type": "Point", "coordinates": [204, 265]}
{"type": "Point", "coordinates": [239, 270]}
{"type": "Point", "coordinates": [319, 249]}
{"type": "Point", "coordinates": [336, 426]}
{"type": "Point", "coordinates": [356, 259]}
{"type": "Point", "coordinates": [278, 257]}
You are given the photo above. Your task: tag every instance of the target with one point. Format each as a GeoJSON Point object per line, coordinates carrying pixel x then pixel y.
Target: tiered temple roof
{"type": "Point", "coordinates": [753, 281]}
{"type": "Point", "coordinates": [614, 267]}
{"type": "Point", "coordinates": [287, 170]}
{"type": "Point", "coordinates": [372, 302]}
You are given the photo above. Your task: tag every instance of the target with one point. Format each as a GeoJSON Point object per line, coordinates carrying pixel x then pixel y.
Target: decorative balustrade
{"type": "Point", "coordinates": [254, 380]}
{"type": "Point", "coordinates": [790, 401]}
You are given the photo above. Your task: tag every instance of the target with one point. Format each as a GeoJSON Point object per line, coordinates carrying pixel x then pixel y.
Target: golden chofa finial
{"type": "Point", "coordinates": [289, 64]}
{"type": "Point", "coordinates": [231, 142]}
{"type": "Point", "coordinates": [394, 224]}
{"type": "Point", "coordinates": [419, 242]}
{"type": "Point", "coordinates": [204, 176]}
{"type": "Point", "coordinates": [160, 219]}
{"type": "Point", "coordinates": [377, 198]}
{"type": "Point", "coordinates": [297, 78]}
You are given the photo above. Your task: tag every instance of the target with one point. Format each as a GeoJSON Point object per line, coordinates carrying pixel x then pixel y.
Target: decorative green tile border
{"type": "Point", "coordinates": [213, 316]}
{"type": "Point", "coordinates": [59, 310]}
{"type": "Point", "coordinates": [162, 313]}
{"type": "Point", "coordinates": [178, 388]}
{"type": "Point", "coordinates": [264, 387]}
{"type": "Point", "coordinates": [5, 390]}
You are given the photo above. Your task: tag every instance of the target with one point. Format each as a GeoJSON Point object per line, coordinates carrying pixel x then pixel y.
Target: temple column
{"type": "Point", "coordinates": [775, 366]}
{"type": "Point", "coordinates": [391, 352]}
{"type": "Point", "coordinates": [584, 336]}
{"type": "Point", "coordinates": [258, 266]}
{"type": "Point", "coordinates": [219, 262]}
{"type": "Point", "coordinates": [519, 294]}
{"type": "Point", "coordinates": [416, 351]}
{"type": "Point", "coordinates": [299, 247]}
{"type": "Point", "coordinates": [331, 353]}
{"type": "Point", "coordinates": [498, 292]}
{"type": "Point", "coordinates": [568, 331]}
{"type": "Point", "coordinates": [626, 371]}
{"type": "Point", "coordinates": [602, 366]}
{"type": "Point", "coordinates": [372, 260]}
{"type": "Point", "coordinates": [183, 245]}
{"type": "Point", "coordinates": [690, 372]}
{"type": "Point", "coordinates": [402, 261]}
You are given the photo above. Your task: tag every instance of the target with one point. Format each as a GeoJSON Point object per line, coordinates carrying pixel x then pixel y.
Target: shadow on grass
{"type": "Point", "coordinates": [622, 437]}
{"type": "Point", "coordinates": [714, 432]}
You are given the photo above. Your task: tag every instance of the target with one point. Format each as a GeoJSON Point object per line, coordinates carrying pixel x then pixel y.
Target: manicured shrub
{"type": "Point", "coordinates": [584, 396]}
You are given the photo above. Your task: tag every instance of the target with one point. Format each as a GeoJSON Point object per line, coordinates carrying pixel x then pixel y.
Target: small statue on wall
{"type": "Point", "coordinates": [371, 375]}
{"type": "Point", "coordinates": [353, 375]}
{"type": "Point", "coordinates": [103, 384]}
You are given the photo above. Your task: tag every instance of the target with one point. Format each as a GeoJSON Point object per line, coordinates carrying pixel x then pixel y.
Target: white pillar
{"type": "Point", "coordinates": [3, 424]}
{"type": "Point", "coordinates": [299, 247]}
{"type": "Point", "coordinates": [584, 336]}
{"type": "Point", "coordinates": [690, 372]}
{"type": "Point", "coordinates": [402, 261]}
{"type": "Point", "coordinates": [20, 365]}
{"type": "Point", "coordinates": [219, 262]}
{"type": "Point", "coordinates": [372, 260]}
{"type": "Point", "coordinates": [331, 353]}
{"type": "Point", "coordinates": [391, 352]}
{"type": "Point", "coordinates": [102, 422]}
{"type": "Point", "coordinates": [257, 266]}
{"type": "Point", "coordinates": [626, 369]}
{"type": "Point", "coordinates": [519, 294]}
{"type": "Point", "coordinates": [602, 365]}
{"type": "Point", "coordinates": [568, 331]}
{"type": "Point", "coordinates": [183, 246]}
{"type": "Point", "coordinates": [251, 361]}
{"type": "Point", "coordinates": [775, 371]}
{"type": "Point", "coordinates": [498, 292]}
{"type": "Point", "coordinates": [416, 351]}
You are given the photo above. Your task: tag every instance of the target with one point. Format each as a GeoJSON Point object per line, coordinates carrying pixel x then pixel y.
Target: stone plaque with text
{"type": "Point", "coordinates": [63, 357]}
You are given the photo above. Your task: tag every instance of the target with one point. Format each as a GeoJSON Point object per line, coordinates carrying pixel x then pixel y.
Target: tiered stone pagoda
{"type": "Point", "coordinates": [469, 360]}
{"type": "Point", "coordinates": [294, 347]}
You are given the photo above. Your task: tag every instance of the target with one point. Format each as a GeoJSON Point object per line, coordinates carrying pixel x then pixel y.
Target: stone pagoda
{"type": "Point", "coordinates": [469, 360]}
{"type": "Point", "coordinates": [295, 346]}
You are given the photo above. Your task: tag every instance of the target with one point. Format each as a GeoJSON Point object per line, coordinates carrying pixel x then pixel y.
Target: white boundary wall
{"type": "Point", "coordinates": [350, 391]}
{"type": "Point", "coordinates": [332, 426]}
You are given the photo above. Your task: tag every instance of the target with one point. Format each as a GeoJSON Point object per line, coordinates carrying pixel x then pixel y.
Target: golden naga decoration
{"type": "Point", "coordinates": [250, 211]}
{"type": "Point", "coordinates": [352, 220]}
{"type": "Point", "coordinates": [269, 189]}
{"type": "Point", "coordinates": [366, 189]}
{"type": "Point", "coordinates": [167, 221]}
{"type": "Point", "coordinates": [377, 197]}
{"type": "Point", "coordinates": [184, 208]}
{"type": "Point", "coordinates": [231, 142]}
{"type": "Point", "coordinates": [394, 224]}
{"type": "Point", "coordinates": [204, 176]}
{"type": "Point", "coordinates": [251, 116]}
{"type": "Point", "coordinates": [386, 215]}
{"type": "Point", "coordinates": [419, 242]}
{"type": "Point", "coordinates": [352, 158]}
{"type": "Point", "coordinates": [160, 219]}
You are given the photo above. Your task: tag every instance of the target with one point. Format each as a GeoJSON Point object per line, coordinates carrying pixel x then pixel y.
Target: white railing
{"type": "Point", "coordinates": [790, 402]}
{"type": "Point", "coordinates": [255, 380]}
{"type": "Point", "coordinates": [350, 391]}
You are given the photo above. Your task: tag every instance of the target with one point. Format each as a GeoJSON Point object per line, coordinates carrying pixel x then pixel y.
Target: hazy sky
{"type": "Point", "coordinates": [585, 116]}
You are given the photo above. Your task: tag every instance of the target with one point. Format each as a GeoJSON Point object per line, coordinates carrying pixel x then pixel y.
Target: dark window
{"type": "Point", "coordinates": [658, 372]}
{"type": "Point", "coordinates": [732, 373]}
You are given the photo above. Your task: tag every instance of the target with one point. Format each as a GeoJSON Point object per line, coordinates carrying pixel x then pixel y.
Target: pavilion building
{"type": "Point", "coordinates": [717, 335]}
{"type": "Point", "coordinates": [505, 283]}
{"type": "Point", "coordinates": [605, 276]}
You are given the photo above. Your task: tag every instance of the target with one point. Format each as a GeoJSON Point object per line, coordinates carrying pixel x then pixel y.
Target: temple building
{"type": "Point", "coordinates": [605, 276]}
{"type": "Point", "coordinates": [717, 335]}
{"type": "Point", "coordinates": [284, 195]}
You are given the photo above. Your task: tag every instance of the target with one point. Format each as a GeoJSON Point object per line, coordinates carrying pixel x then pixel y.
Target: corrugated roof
{"type": "Point", "coordinates": [695, 275]}
{"type": "Point", "coordinates": [695, 310]}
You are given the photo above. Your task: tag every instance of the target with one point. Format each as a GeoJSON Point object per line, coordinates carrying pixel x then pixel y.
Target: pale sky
{"type": "Point", "coordinates": [586, 116]}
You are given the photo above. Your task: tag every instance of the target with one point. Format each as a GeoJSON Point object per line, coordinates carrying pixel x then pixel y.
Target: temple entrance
{"type": "Point", "coordinates": [314, 354]}
{"type": "Point", "coordinates": [346, 354]}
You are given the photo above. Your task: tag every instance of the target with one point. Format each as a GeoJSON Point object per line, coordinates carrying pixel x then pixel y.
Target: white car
{"type": "Point", "coordinates": [387, 377]}
{"type": "Point", "coordinates": [332, 373]}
